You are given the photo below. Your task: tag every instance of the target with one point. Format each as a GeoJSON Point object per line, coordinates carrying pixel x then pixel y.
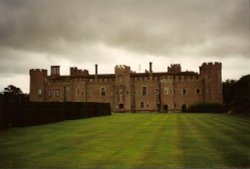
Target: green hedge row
{"type": "Point", "coordinates": [207, 108]}
{"type": "Point", "coordinates": [23, 113]}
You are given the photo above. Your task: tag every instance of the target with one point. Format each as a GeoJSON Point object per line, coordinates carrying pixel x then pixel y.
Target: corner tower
{"type": "Point", "coordinates": [38, 80]}
{"type": "Point", "coordinates": [122, 88]}
{"type": "Point", "coordinates": [212, 82]}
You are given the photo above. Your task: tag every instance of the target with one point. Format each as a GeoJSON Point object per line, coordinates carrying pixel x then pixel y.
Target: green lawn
{"type": "Point", "coordinates": [131, 141]}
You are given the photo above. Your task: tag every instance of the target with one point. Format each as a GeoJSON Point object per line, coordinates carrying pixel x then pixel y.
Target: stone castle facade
{"type": "Point", "coordinates": [125, 90]}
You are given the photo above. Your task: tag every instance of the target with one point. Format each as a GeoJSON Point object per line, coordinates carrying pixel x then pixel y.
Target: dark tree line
{"type": "Point", "coordinates": [236, 95]}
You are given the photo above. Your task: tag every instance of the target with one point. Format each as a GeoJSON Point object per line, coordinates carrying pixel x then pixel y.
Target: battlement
{"type": "Point", "coordinates": [122, 69]}
{"type": "Point", "coordinates": [210, 66]}
{"type": "Point", "coordinates": [174, 68]}
{"type": "Point", "coordinates": [74, 71]}
{"type": "Point", "coordinates": [38, 72]}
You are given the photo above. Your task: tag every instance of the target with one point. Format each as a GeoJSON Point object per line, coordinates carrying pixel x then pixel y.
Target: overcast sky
{"type": "Point", "coordinates": [40, 33]}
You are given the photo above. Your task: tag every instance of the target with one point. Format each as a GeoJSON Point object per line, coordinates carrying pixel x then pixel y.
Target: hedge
{"type": "Point", "coordinates": [207, 108]}
{"type": "Point", "coordinates": [21, 112]}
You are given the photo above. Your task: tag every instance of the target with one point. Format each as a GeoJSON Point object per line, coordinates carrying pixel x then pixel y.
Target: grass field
{"type": "Point", "coordinates": [131, 141]}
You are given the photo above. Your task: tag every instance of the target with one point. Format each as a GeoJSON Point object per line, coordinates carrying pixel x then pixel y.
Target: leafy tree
{"type": "Point", "coordinates": [237, 94]}
{"type": "Point", "coordinates": [229, 92]}
{"type": "Point", "coordinates": [11, 89]}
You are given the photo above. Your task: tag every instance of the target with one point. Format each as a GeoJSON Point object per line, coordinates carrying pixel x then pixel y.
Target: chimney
{"type": "Point", "coordinates": [96, 69]}
{"type": "Point", "coordinates": [55, 71]}
{"type": "Point", "coordinates": [150, 67]}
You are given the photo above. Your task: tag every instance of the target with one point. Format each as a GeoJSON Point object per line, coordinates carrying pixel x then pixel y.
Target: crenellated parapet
{"type": "Point", "coordinates": [38, 72]}
{"type": "Point", "coordinates": [122, 69]}
{"type": "Point", "coordinates": [208, 67]}
{"type": "Point", "coordinates": [174, 68]}
{"type": "Point", "coordinates": [74, 71]}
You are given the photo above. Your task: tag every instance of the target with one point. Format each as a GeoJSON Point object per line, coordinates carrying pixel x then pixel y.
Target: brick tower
{"type": "Point", "coordinates": [122, 88]}
{"type": "Point", "coordinates": [38, 78]}
{"type": "Point", "coordinates": [211, 78]}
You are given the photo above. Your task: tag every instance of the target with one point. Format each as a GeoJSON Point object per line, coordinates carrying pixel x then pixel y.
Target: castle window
{"type": "Point", "coordinates": [77, 92]}
{"type": "Point", "coordinates": [158, 104]}
{"type": "Point", "coordinates": [39, 92]}
{"type": "Point", "coordinates": [198, 91]}
{"type": "Point", "coordinates": [184, 91]}
{"type": "Point", "coordinates": [165, 90]}
{"type": "Point", "coordinates": [144, 91]}
{"type": "Point", "coordinates": [141, 104]}
{"type": "Point", "coordinates": [57, 92]}
{"type": "Point", "coordinates": [103, 91]}
{"type": "Point", "coordinates": [50, 93]}
{"type": "Point", "coordinates": [157, 91]}
{"type": "Point", "coordinates": [120, 91]}
{"type": "Point", "coordinates": [120, 78]}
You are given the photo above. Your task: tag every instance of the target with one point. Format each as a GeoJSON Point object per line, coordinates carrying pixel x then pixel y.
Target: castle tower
{"type": "Point", "coordinates": [212, 84]}
{"type": "Point", "coordinates": [38, 80]}
{"type": "Point", "coordinates": [122, 88]}
{"type": "Point", "coordinates": [174, 68]}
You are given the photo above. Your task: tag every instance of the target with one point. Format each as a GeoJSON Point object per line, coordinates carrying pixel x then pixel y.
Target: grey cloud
{"type": "Point", "coordinates": [151, 27]}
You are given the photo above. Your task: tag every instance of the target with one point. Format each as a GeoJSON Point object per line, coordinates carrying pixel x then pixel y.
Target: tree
{"type": "Point", "coordinates": [229, 92]}
{"type": "Point", "coordinates": [237, 94]}
{"type": "Point", "coordinates": [11, 89]}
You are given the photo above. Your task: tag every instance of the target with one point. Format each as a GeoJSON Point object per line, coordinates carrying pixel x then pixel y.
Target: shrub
{"type": "Point", "coordinates": [207, 108]}
{"type": "Point", "coordinates": [240, 109]}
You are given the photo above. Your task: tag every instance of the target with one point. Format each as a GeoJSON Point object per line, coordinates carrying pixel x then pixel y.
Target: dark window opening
{"type": "Point", "coordinates": [142, 105]}
{"type": "Point", "coordinates": [121, 106]}
{"type": "Point", "coordinates": [157, 91]}
{"type": "Point", "coordinates": [184, 108]}
{"type": "Point", "coordinates": [184, 91]}
{"type": "Point", "coordinates": [198, 91]}
{"type": "Point", "coordinates": [144, 91]}
{"type": "Point", "coordinates": [165, 108]}
{"type": "Point", "coordinates": [103, 92]}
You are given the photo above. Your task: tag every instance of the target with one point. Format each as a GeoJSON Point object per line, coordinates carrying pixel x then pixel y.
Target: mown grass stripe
{"type": "Point", "coordinates": [199, 152]}
{"type": "Point", "coordinates": [242, 137]}
{"type": "Point", "coordinates": [162, 150]}
{"type": "Point", "coordinates": [233, 154]}
{"type": "Point", "coordinates": [129, 141]}
{"type": "Point", "coordinates": [227, 120]}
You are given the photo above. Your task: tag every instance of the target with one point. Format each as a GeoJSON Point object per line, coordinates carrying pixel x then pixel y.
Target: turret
{"type": "Point", "coordinates": [38, 79]}
{"type": "Point", "coordinates": [122, 75]}
{"type": "Point", "coordinates": [74, 71]}
{"type": "Point", "coordinates": [211, 75]}
{"type": "Point", "coordinates": [174, 68]}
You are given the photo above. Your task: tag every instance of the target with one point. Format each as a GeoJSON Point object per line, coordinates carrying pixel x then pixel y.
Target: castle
{"type": "Point", "coordinates": [128, 91]}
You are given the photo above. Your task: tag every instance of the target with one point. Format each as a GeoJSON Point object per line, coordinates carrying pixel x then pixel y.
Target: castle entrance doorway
{"type": "Point", "coordinates": [165, 108]}
{"type": "Point", "coordinates": [184, 108]}
{"type": "Point", "coordinates": [121, 107]}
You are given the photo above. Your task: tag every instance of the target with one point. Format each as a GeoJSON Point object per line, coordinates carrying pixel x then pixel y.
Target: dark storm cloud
{"type": "Point", "coordinates": [216, 27]}
{"type": "Point", "coordinates": [74, 29]}
{"type": "Point", "coordinates": [39, 33]}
